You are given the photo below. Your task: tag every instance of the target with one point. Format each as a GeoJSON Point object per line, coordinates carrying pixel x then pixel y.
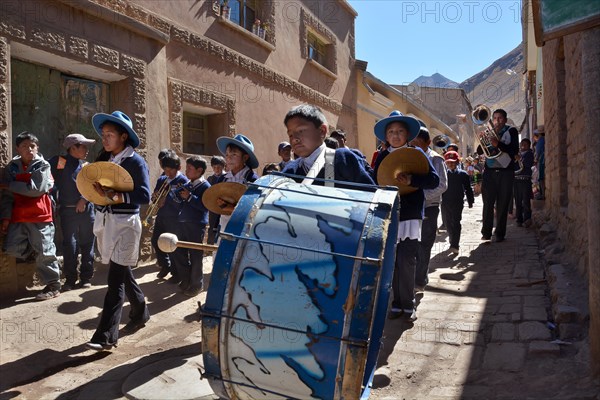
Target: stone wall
{"type": "Point", "coordinates": [566, 145]}
{"type": "Point", "coordinates": [571, 68]}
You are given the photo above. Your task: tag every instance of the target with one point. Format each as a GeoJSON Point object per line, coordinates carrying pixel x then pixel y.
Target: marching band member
{"type": "Point", "coordinates": [398, 130]}
{"type": "Point", "coordinates": [498, 180]}
{"type": "Point", "coordinates": [240, 160]}
{"type": "Point", "coordinates": [191, 224]}
{"type": "Point", "coordinates": [118, 230]}
{"type": "Point", "coordinates": [168, 210]}
{"type": "Point", "coordinates": [307, 128]}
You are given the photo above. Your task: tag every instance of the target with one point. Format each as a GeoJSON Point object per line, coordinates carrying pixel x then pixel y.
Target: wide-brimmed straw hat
{"type": "Point", "coordinates": [242, 142]}
{"type": "Point", "coordinates": [119, 118]}
{"type": "Point", "coordinates": [397, 116]}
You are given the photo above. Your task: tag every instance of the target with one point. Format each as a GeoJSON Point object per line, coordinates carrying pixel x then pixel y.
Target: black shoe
{"type": "Point", "coordinates": [100, 346]}
{"type": "Point", "coordinates": [395, 314]}
{"type": "Point", "coordinates": [192, 292]}
{"type": "Point", "coordinates": [174, 279]}
{"type": "Point", "coordinates": [68, 286]}
{"type": "Point", "coordinates": [133, 326]}
{"type": "Point", "coordinates": [486, 238]}
{"type": "Point", "coordinates": [500, 239]}
{"type": "Point", "coordinates": [163, 272]}
{"type": "Point", "coordinates": [85, 283]}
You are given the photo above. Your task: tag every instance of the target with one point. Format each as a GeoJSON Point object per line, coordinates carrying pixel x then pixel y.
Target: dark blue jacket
{"type": "Point", "coordinates": [65, 191]}
{"type": "Point", "coordinates": [523, 167]}
{"type": "Point", "coordinates": [412, 205]}
{"type": "Point", "coordinates": [138, 169]}
{"type": "Point", "coordinates": [347, 166]}
{"type": "Point", "coordinates": [172, 204]}
{"type": "Point", "coordinates": [459, 184]}
{"type": "Point", "coordinates": [193, 209]}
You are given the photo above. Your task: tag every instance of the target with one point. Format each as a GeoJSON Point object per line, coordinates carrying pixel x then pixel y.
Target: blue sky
{"type": "Point", "coordinates": [402, 40]}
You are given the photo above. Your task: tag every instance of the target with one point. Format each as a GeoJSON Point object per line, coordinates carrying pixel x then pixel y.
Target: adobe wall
{"type": "Point", "coordinates": [571, 68]}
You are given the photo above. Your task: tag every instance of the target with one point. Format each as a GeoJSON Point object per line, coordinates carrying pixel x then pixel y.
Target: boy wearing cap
{"type": "Point", "coordinates": [307, 128]}
{"type": "Point", "coordinates": [398, 130]}
{"type": "Point", "coordinates": [459, 185]}
{"type": "Point", "coordinates": [285, 152]}
{"type": "Point", "coordinates": [26, 212]}
{"type": "Point", "coordinates": [76, 213]}
{"type": "Point", "coordinates": [118, 229]}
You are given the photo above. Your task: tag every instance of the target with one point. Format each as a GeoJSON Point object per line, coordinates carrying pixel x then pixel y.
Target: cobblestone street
{"type": "Point", "coordinates": [482, 332]}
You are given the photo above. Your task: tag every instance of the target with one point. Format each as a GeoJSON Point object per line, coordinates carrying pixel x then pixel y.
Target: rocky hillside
{"type": "Point", "coordinates": [500, 86]}
{"type": "Point", "coordinates": [436, 80]}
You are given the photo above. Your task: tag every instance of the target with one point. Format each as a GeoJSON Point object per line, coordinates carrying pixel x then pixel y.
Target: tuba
{"type": "Point", "coordinates": [157, 199]}
{"type": "Point", "coordinates": [440, 142]}
{"type": "Point", "coordinates": [481, 117]}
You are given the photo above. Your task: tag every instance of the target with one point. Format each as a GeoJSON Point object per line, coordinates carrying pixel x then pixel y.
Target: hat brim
{"type": "Point", "coordinates": [87, 142]}
{"type": "Point", "coordinates": [101, 118]}
{"type": "Point", "coordinates": [413, 126]}
{"type": "Point", "coordinates": [224, 141]}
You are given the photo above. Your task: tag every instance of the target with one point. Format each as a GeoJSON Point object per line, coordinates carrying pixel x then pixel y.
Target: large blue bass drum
{"type": "Point", "coordinates": [299, 292]}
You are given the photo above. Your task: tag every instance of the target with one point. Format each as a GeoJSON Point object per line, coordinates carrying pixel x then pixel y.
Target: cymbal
{"type": "Point", "coordinates": [408, 160]}
{"type": "Point", "coordinates": [229, 192]}
{"type": "Point", "coordinates": [106, 173]}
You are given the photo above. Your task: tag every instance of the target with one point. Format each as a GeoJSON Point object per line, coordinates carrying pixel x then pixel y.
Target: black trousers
{"type": "Point", "coordinates": [188, 262]}
{"type": "Point", "coordinates": [121, 283]}
{"type": "Point", "coordinates": [496, 192]}
{"type": "Point", "coordinates": [523, 194]}
{"type": "Point", "coordinates": [163, 225]}
{"type": "Point", "coordinates": [428, 234]}
{"type": "Point", "coordinates": [403, 282]}
{"type": "Point", "coordinates": [453, 215]}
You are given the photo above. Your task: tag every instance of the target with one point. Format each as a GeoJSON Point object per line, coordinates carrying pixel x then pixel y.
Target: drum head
{"type": "Point", "coordinates": [303, 283]}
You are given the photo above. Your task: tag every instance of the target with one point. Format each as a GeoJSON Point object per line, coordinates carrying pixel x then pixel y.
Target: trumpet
{"type": "Point", "coordinates": [157, 198]}
{"type": "Point", "coordinates": [481, 117]}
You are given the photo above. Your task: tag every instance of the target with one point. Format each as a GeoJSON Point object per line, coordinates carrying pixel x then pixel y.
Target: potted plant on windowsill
{"type": "Point", "coordinates": [262, 32]}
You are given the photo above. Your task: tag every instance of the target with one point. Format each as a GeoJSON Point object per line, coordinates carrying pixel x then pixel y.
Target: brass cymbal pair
{"type": "Point", "coordinates": [409, 160]}
{"type": "Point", "coordinates": [109, 175]}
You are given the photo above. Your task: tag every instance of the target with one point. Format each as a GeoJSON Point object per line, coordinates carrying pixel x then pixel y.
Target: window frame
{"type": "Point", "coordinates": [185, 132]}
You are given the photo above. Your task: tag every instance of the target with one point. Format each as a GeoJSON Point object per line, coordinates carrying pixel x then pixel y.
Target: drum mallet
{"type": "Point", "coordinates": [168, 242]}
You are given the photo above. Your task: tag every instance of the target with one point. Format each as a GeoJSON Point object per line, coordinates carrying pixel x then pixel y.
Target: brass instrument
{"type": "Point", "coordinates": [180, 188]}
{"type": "Point", "coordinates": [157, 198]}
{"type": "Point", "coordinates": [481, 117]}
{"type": "Point", "coordinates": [440, 143]}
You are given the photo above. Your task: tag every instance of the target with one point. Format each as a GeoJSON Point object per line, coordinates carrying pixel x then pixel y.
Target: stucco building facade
{"type": "Point", "coordinates": [185, 71]}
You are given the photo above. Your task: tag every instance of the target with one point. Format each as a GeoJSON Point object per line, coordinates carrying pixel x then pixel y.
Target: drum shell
{"type": "Point", "coordinates": [297, 303]}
